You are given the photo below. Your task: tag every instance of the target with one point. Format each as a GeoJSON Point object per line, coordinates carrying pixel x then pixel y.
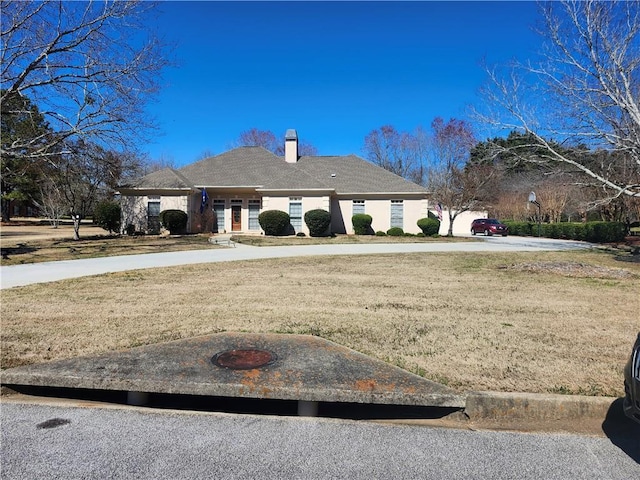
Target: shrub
{"type": "Point", "coordinates": [300, 234]}
{"type": "Point", "coordinates": [395, 232]}
{"type": "Point", "coordinates": [174, 220]}
{"type": "Point", "coordinates": [380, 233]}
{"type": "Point", "coordinates": [605, 232]}
{"type": "Point", "coordinates": [274, 222]}
{"type": "Point", "coordinates": [595, 232]}
{"type": "Point", "coordinates": [107, 215]}
{"type": "Point", "coordinates": [567, 230]}
{"type": "Point", "coordinates": [318, 221]}
{"type": "Point", "coordinates": [551, 230]}
{"type": "Point", "coordinates": [429, 226]}
{"type": "Point", "coordinates": [362, 224]}
{"type": "Point", "coordinates": [523, 229]}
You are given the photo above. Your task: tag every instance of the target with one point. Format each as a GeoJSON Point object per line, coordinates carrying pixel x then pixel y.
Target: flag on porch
{"type": "Point", "coordinates": [205, 199]}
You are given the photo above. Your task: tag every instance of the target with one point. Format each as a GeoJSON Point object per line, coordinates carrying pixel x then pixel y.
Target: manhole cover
{"type": "Point", "coordinates": [244, 359]}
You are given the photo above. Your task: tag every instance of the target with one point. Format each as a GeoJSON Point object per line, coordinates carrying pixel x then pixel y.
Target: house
{"type": "Point", "coordinates": [227, 192]}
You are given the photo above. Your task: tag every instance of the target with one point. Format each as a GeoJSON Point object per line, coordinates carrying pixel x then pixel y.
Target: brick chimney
{"type": "Point", "coordinates": [291, 146]}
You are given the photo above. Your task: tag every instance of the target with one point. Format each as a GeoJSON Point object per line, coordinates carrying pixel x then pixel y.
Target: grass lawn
{"type": "Point", "coordinates": [33, 242]}
{"type": "Point", "coordinates": [560, 322]}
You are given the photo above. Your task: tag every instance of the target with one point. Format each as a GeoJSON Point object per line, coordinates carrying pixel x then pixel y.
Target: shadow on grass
{"type": "Point", "coordinates": [8, 252]}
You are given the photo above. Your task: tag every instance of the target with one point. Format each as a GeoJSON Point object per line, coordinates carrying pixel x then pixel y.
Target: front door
{"type": "Point", "coordinates": [236, 218]}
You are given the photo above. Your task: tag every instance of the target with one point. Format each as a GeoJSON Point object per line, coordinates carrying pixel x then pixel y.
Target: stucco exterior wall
{"type": "Point", "coordinates": [380, 211]}
{"type": "Point", "coordinates": [462, 223]}
{"type": "Point", "coordinates": [135, 209]}
{"type": "Point", "coordinates": [277, 202]}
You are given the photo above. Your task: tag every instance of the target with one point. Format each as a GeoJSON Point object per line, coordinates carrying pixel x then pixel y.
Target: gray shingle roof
{"type": "Point", "coordinates": [259, 168]}
{"type": "Point", "coordinates": [353, 174]}
{"type": "Point", "coordinates": [240, 167]}
{"type": "Point", "coordinates": [167, 178]}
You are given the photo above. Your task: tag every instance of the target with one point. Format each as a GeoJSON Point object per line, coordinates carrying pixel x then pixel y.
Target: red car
{"type": "Point", "coordinates": [489, 226]}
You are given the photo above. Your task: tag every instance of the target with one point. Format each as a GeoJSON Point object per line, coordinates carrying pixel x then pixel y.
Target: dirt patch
{"type": "Point", "coordinates": [572, 269]}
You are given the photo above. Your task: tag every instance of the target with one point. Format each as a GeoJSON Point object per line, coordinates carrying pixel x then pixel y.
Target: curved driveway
{"type": "Point", "coordinates": [20, 275]}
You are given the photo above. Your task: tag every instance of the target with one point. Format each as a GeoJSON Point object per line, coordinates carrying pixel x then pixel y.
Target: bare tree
{"type": "Point", "coordinates": [402, 153]}
{"type": "Point", "coordinates": [85, 174]}
{"type": "Point", "coordinates": [584, 89]}
{"type": "Point", "coordinates": [86, 65]}
{"type": "Point", "coordinates": [51, 201]}
{"type": "Point", "coordinates": [255, 137]}
{"type": "Point", "coordinates": [149, 165]}
{"type": "Point", "coordinates": [453, 182]}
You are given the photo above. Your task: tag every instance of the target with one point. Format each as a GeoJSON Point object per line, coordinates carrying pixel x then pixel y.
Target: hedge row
{"type": "Point", "coordinates": [595, 232]}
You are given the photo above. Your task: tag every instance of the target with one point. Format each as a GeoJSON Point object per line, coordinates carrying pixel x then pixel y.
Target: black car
{"type": "Point", "coordinates": [631, 405]}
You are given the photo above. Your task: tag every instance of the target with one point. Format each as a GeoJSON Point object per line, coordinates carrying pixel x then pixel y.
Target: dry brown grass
{"type": "Point", "coordinates": [38, 248]}
{"type": "Point", "coordinates": [471, 321]}
{"type": "Point", "coordinates": [30, 241]}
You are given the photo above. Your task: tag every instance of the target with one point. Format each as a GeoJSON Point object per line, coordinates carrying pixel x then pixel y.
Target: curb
{"type": "Point", "coordinates": [531, 411]}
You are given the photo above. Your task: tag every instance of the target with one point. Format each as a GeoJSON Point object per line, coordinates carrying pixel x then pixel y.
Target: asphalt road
{"type": "Point", "coordinates": [20, 275]}
{"type": "Point", "coordinates": [124, 443]}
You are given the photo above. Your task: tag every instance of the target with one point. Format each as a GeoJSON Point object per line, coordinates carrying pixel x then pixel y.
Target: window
{"type": "Point", "coordinates": [218, 212]}
{"type": "Point", "coordinates": [295, 213]}
{"type": "Point", "coordinates": [358, 207]}
{"type": "Point", "coordinates": [397, 214]}
{"type": "Point", "coordinates": [153, 216]}
{"type": "Point", "coordinates": [254, 211]}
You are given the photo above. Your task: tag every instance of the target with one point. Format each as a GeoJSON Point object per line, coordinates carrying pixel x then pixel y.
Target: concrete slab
{"type": "Point", "coordinates": [282, 367]}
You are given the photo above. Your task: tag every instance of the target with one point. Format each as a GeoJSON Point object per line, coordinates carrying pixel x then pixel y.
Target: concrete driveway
{"type": "Point", "coordinates": [20, 275]}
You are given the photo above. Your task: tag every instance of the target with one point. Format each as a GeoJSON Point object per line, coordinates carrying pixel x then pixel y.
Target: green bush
{"type": "Point", "coordinates": [522, 229]}
{"type": "Point", "coordinates": [594, 232]}
{"type": "Point", "coordinates": [429, 226]}
{"type": "Point", "coordinates": [318, 221]}
{"type": "Point", "coordinates": [395, 232]}
{"type": "Point", "coordinates": [274, 222]}
{"type": "Point", "coordinates": [380, 233]}
{"type": "Point", "coordinates": [362, 224]}
{"type": "Point", "coordinates": [107, 215]}
{"type": "Point", "coordinates": [567, 230]}
{"type": "Point", "coordinates": [174, 220]}
{"type": "Point", "coordinates": [551, 230]}
{"type": "Point", "coordinates": [605, 232]}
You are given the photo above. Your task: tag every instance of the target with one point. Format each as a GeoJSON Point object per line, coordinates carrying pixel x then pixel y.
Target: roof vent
{"type": "Point", "coordinates": [333, 175]}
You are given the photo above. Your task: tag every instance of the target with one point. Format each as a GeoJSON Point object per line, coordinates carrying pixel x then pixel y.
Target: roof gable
{"type": "Point", "coordinates": [240, 167]}
{"type": "Point", "coordinates": [167, 178]}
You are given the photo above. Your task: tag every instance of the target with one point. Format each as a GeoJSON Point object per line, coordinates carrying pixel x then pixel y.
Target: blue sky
{"type": "Point", "coordinates": [334, 71]}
